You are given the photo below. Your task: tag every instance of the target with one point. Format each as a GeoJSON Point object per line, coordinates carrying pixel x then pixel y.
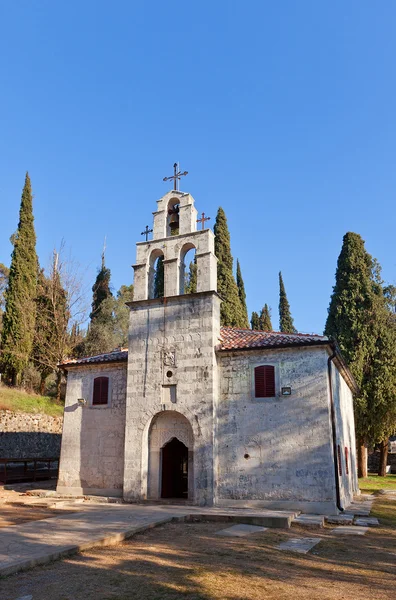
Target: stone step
{"type": "Point", "coordinates": [366, 522]}
{"type": "Point", "coordinates": [309, 521]}
{"type": "Point", "coordinates": [270, 519]}
{"type": "Point", "coordinates": [341, 519]}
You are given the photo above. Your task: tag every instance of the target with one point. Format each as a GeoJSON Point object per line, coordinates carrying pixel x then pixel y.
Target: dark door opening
{"type": "Point", "coordinates": [174, 470]}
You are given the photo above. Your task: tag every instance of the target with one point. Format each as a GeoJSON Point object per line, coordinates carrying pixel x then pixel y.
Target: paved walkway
{"type": "Point", "coordinates": [39, 542]}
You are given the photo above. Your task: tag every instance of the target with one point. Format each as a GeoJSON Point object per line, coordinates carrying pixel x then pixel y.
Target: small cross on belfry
{"type": "Point", "coordinates": [176, 176]}
{"type": "Point", "coordinates": [202, 220]}
{"type": "Point", "coordinates": [146, 232]}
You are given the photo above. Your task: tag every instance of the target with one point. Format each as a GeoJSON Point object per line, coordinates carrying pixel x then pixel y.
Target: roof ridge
{"type": "Point", "coordinates": [260, 331]}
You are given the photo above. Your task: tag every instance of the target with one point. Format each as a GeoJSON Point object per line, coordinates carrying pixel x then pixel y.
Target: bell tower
{"type": "Point", "coordinates": [174, 233]}
{"type": "Point", "coordinates": [172, 368]}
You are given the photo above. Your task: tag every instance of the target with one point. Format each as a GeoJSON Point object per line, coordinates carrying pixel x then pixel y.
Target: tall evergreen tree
{"type": "Point", "coordinates": [379, 387]}
{"type": "Point", "coordinates": [231, 312]}
{"type": "Point", "coordinates": [52, 338]}
{"type": "Point", "coordinates": [101, 290]}
{"type": "Point", "coordinates": [286, 324]}
{"type": "Point", "coordinates": [121, 314]}
{"type": "Point", "coordinates": [159, 281]}
{"type": "Point", "coordinates": [191, 278]}
{"type": "Point", "coordinates": [354, 319]}
{"type": "Point", "coordinates": [101, 333]}
{"type": "Point", "coordinates": [255, 321]}
{"type": "Point", "coordinates": [265, 319]}
{"type": "Point", "coordinates": [242, 295]}
{"type": "Point", "coordinates": [20, 310]}
{"type": "Point", "coordinates": [4, 274]}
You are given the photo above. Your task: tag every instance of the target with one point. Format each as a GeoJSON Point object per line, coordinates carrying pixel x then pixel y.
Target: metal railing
{"type": "Point", "coordinates": [27, 469]}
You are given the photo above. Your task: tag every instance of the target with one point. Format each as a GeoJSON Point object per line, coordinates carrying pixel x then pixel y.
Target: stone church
{"type": "Point", "coordinates": [209, 414]}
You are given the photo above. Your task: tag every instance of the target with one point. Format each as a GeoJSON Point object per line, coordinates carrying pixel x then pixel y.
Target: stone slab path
{"type": "Point", "coordinates": [352, 530]}
{"type": "Point", "coordinates": [39, 542]}
{"type": "Point", "coordinates": [299, 545]}
{"type": "Point", "coordinates": [241, 530]}
{"type": "Point", "coordinates": [310, 521]}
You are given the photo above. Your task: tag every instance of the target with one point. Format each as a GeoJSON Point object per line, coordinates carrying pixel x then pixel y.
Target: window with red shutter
{"type": "Point", "coordinates": [264, 381]}
{"type": "Point", "coordinates": [101, 391]}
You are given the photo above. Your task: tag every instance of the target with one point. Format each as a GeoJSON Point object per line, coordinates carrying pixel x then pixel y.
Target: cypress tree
{"type": "Point", "coordinates": [265, 319]}
{"type": "Point", "coordinates": [191, 278]}
{"type": "Point", "coordinates": [20, 310]}
{"type": "Point", "coordinates": [231, 313]}
{"type": "Point", "coordinates": [101, 334]}
{"type": "Point", "coordinates": [242, 295]}
{"type": "Point", "coordinates": [255, 321]}
{"type": "Point", "coordinates": [354, 317]}
{"type": "Point", "coordinates": [44, 332]}
{"type": "Point", "coordinates": [286, 324]}
{"type": "Point", "coordinates": [159, 281]}
{"type": "Point", "coordinates": [4, 273]}
{"type": "Point", "coordinates": [121, 314]}
{"type": "Point", "coordinates": [101, 290]}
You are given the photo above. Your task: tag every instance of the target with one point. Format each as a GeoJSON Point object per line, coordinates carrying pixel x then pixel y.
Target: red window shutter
{"type": "Point", "coordinates": [346, 461]}
{"type": "Point", "coordinates": [339, 460]}
{"type": "Point", "coordinates": [264, 381]}
{"type": "Point", "coordinates": [101, 390]}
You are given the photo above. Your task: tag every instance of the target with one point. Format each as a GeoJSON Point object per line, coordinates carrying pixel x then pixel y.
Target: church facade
{"type": "Point", "coordinates": [209, 414]}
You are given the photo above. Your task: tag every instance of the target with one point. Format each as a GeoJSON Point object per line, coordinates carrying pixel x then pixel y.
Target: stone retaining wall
{"type": "Point", "coordinates": [24, 435]}
{"type": "Point", "coordinates": [373, 462]}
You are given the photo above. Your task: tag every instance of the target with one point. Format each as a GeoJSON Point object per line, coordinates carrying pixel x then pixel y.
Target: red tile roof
{"type": "Point", "coordinates": [232, 338]}
{"type": "Point", "coordinates": [118, 355]}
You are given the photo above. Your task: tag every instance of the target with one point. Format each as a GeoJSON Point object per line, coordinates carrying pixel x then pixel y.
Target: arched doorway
{"type": "Point", "coordinates": [170, 457]}
{"type": "Point", "coordinates": [174, 471]}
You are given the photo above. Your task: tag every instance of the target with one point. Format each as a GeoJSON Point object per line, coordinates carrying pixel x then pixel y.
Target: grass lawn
{"type": "Point", "coordinates": [188, 561]}
{"type": "Point", "coordinates": [19, 400]}
{"type": "Point", "coordinates": [373, 483]}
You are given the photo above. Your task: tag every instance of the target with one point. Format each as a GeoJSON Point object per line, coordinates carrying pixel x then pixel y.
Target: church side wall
{"type": "Point", "coordinates": [92, 452]}
{"type": "Point", "coordinates": [345, 428]}
{"type": "Point", "coordinates": [275, 452]}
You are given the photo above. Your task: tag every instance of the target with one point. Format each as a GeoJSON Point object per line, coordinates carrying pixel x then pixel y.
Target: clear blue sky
{"type": "Point", "coordinates": [284, 113]}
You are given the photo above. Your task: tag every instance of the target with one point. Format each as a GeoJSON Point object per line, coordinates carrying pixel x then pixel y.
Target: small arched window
{"type": "Point", "coordinates": [264, 381]}
{"type": "Point", "coordinates": [100, 391]}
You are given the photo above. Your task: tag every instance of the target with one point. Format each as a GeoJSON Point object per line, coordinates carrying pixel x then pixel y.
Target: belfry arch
{"type": "Point", "coordinates": [187, 255]}
{"type": "Point", "coordinates": [155, 255]}
{"type": "Point", "coordinates": [170, 457]}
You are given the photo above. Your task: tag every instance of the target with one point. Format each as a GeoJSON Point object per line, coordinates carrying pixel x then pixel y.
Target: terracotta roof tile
{"type": "Point", "coordinates": [118, 355]}
{"type": "Point", "coordinates": [232, 338]}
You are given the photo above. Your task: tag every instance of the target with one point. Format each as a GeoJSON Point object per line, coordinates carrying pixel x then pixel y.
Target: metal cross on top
{"type": "Point", "coordinates": [146, 232]}
{"type": "Point", "coordinates": [202, 220]}
{"type": "Point", "coordinates": [176, 176]}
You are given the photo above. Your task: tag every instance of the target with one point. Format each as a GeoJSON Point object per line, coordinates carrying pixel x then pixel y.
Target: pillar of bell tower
{"type": "Point", "coordinates": [174, 234]}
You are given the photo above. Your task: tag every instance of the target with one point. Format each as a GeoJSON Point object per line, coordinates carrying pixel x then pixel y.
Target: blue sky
{"type": "Point", "coordinates": [283, 113]}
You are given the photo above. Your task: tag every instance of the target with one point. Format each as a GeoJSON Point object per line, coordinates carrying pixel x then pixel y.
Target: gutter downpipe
{"type": "Point", "coordinates": [334, 431]}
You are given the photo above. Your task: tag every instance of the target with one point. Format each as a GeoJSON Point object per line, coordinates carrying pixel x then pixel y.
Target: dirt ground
{"type": "Point", "coordinates": [188, 561]}
{"type": "Point", "coordinates": [11, 513]}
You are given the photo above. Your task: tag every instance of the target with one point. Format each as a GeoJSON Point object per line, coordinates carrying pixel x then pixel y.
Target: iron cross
{"type": "Point", "coordinates": [176, 176]}
{"type": "Point", "coordinates": [146, 232]}
{"type": "Point", "coordinates": [203, 219]}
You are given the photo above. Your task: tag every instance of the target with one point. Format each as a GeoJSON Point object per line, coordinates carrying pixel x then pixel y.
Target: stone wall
{"type": "Point", "coordinates": [275, 451]}
{"type": "Point", "coordinates": [25, 435]}
{"type": "Point", "coordinates": [373, 462]}
{"type": "Point", "coordinates": [92, 457]}
{"type": "Point", "coordinates": [172, 366]}
{"type": "Point", "coordinates": [346, 440]}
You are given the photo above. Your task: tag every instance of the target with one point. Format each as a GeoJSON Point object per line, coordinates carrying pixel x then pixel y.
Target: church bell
{"type": "Point", "coordinates": [174, 218]}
